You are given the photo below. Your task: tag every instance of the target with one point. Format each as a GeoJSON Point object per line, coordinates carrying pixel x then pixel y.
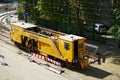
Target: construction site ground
{"type": "Point", "coordinates": [20, 68]}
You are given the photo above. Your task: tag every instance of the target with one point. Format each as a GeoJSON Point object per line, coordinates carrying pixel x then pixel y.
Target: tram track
{"type": "Point", "coordinates": [4, 32]}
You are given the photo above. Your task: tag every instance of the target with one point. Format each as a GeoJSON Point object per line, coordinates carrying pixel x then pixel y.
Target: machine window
{"type": "Point", "coordinates": [80, 45]}
{"type": "Point", "coordinates": [66, 46]}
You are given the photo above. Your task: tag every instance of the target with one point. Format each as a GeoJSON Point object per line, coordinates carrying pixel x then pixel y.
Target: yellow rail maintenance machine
{"type": "Point", "coordinates": [68, 48]}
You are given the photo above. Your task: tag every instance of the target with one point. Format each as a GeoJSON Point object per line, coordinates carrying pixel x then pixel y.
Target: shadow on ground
{"type": "Point", "coordinates": [94, 72]}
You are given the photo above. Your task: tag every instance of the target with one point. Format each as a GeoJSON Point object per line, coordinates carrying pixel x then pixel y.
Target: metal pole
{"type": "Point", "coordinates": [34, 11]}
{"type": "Point", "coordinates": [69, 25]}
{"type": "Point", "coordinates": [26, 13]}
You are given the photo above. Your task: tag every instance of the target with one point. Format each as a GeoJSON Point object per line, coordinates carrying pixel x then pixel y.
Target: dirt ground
{"type": "Point", "coordinates": [109, 50]}
{"type": "Point", "coordinates": [110, 70]}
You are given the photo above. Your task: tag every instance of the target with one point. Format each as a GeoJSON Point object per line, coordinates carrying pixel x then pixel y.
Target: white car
{"type": "Point", "coordinates": [100, 28]}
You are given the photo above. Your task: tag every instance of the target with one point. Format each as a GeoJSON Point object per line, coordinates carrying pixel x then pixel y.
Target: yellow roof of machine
{"type": "Point", "coordinates": [71, 37]}
{"type": "Point", "coordinates": [24, 25]}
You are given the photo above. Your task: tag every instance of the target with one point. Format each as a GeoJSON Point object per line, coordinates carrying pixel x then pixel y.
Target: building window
{"type": "Point", "coordinates": [66, 46]}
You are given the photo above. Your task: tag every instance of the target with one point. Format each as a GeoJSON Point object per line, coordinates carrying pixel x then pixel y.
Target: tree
{"type": "Point", "coordinates": [29, 7]}
{"type": "Point", "coordinates": [68, 14]}
{"type": "Point", "coordinates": [72, 12]}
{"type": "Point", "coordinates": [115, 29]}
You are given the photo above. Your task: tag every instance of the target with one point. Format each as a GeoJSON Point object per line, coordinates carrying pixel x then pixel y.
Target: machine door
{"type": "Point", "coordinates": [76, 49]}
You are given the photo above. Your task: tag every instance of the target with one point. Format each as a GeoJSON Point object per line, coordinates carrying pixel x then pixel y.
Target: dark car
{"type": "Point", "coordinates": [100, 28]}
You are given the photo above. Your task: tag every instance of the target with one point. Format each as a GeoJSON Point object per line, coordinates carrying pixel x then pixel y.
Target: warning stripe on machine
{"type": "Point", "coordinates": [46, 59]}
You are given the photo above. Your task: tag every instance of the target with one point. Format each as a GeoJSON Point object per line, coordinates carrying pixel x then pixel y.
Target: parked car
{"type": "Point", "coordinates": [100, 28]}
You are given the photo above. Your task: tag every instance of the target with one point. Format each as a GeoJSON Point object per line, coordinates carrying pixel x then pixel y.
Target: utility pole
{"type": "Point", "coordinates": [26, 13]}
{"type": "Point", "coordinates": [34, 3]}
{"type": "Point", "coordinates": [34, 10]}
{"type": "Point", "coordinates": [69, 25]}
{"type": "Point", "coordinates": [69, 19]}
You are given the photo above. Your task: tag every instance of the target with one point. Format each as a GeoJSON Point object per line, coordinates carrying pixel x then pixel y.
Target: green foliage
{"type": "Point", "coordinates": [61, 9]}
{"type": "Point", "coordinates": [115, 29]}
{"type": "Point", "coordinates": [88, 8]}
{"type": "Point", "coordinates": [80, 11]}
{"type": "Point", "coordinates": [20, 14]}
{"type": "Point", "coordinates": [52, 9]}
{"type": "Point", "coordinates": [28, 7]}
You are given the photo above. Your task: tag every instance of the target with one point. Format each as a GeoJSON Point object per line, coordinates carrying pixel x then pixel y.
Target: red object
{"type": "Point", "coordinates": [1, 56]}
{"type": "Point", "coordinates": [46, 59]}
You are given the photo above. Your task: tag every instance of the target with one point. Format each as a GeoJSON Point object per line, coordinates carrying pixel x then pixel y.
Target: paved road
{"type": "Point", "coordinates": [19, 68]}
